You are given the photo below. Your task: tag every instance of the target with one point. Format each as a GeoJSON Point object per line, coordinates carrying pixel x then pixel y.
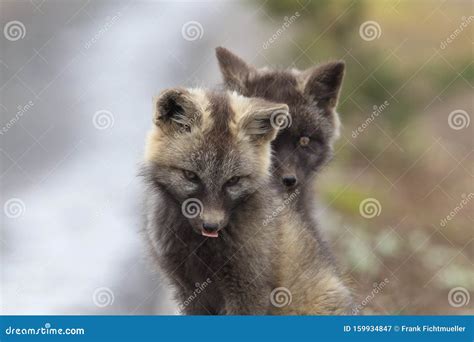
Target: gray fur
{"type": "Point", "coordinates": [239, 261]}
{"type": "Point", "coordinates": [312, 98]}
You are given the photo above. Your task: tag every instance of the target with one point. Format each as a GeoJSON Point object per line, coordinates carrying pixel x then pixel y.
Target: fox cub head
{"type": "Point", "coordinates": [305, 141]}
{"type": "Point", "coordinates": [209, 151]}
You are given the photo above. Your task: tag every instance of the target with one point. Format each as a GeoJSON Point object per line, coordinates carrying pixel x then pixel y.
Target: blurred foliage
{"type": "Point", "coordinates": [408, 158]}
{"type": "Point", "coordinates": [331, 28]}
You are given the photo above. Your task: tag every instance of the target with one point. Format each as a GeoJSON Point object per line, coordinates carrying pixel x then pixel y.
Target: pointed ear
{"type": "Point", "coordinates": [263, 122]}
{"type": "Point", "coordinates": [175, 110]}
{"type": "Point", "coordinates": [324, 82]}
{"type": "Point", "coordinates": [235, 71]}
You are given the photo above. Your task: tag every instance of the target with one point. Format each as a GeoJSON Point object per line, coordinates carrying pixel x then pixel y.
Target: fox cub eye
{"type": "Point", "coordinates": [304, 141]}
{"type": "Point", "coordinates": [233, 181]}
{"type": "Point", "coordinates": [191, 176]}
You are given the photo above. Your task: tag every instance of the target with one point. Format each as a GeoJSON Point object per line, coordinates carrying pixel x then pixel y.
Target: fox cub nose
{"type": "Point", "coordinates": [210, 227]}
{"type": "Point", "coordinates": [289, 181]}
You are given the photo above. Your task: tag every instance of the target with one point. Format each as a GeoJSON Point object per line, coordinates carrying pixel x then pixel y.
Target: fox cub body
{"type": "Point", "coordinates": [209, 211]}
{"type": "Point", "coordinates": [304, 144]}
{"type": "Point", "coordinates": [207, 167]}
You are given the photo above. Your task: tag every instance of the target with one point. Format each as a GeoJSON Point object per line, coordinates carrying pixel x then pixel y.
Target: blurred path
{"type": "Point", "coordinates": [83, 76]}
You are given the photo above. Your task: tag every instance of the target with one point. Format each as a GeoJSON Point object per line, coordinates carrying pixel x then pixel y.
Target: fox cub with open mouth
{"type": "Point", "coordinates": [208, 204]}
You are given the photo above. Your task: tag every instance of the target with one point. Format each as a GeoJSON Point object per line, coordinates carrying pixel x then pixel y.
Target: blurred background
{"type": "Point", "coordinates": [77, 78]}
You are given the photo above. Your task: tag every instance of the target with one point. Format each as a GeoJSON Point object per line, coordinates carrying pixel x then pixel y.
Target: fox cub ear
{"type": "Point", "coordinates": [261, 125]}
{"type": "Point", "coordinates": [235, 71]}
{"type": "Point", "coordinates": [324, 82]}
{"type": "Point", "coordinates": [175, 110]}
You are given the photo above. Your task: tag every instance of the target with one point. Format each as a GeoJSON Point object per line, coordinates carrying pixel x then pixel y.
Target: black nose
{"type": "Point", "coordinates": [289, 180]}
{"type": "Point", "coordinates": [210, 227]}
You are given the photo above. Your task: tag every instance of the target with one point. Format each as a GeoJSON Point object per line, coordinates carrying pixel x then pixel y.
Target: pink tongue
{"type": "Point", "coordinates": [210, 234]}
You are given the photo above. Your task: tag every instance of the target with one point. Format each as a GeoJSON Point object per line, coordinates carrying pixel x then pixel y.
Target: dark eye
{"type": "Point", "coordinates": [304, 141]}
{"type": "Point", "coordinates": [233, 181]}
{"type": "Point", "coordinates": [191, 176]}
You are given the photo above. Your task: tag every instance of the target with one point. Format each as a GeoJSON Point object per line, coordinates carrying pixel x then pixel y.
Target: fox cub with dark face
{"type": "Point", "coordinates": [305, 144]}
{"type": "Point", "coordinates": [207, 167]}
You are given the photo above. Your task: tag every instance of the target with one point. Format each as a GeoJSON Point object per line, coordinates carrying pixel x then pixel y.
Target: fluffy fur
{"type": "Point", "coordinates": [199, 143]}
{"type": "Point", "coordinates": [216, 136]}
{"type": "Point", "coordinates": [300, 150]}
{"type": "Point", "coordinates": [303, 147]}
